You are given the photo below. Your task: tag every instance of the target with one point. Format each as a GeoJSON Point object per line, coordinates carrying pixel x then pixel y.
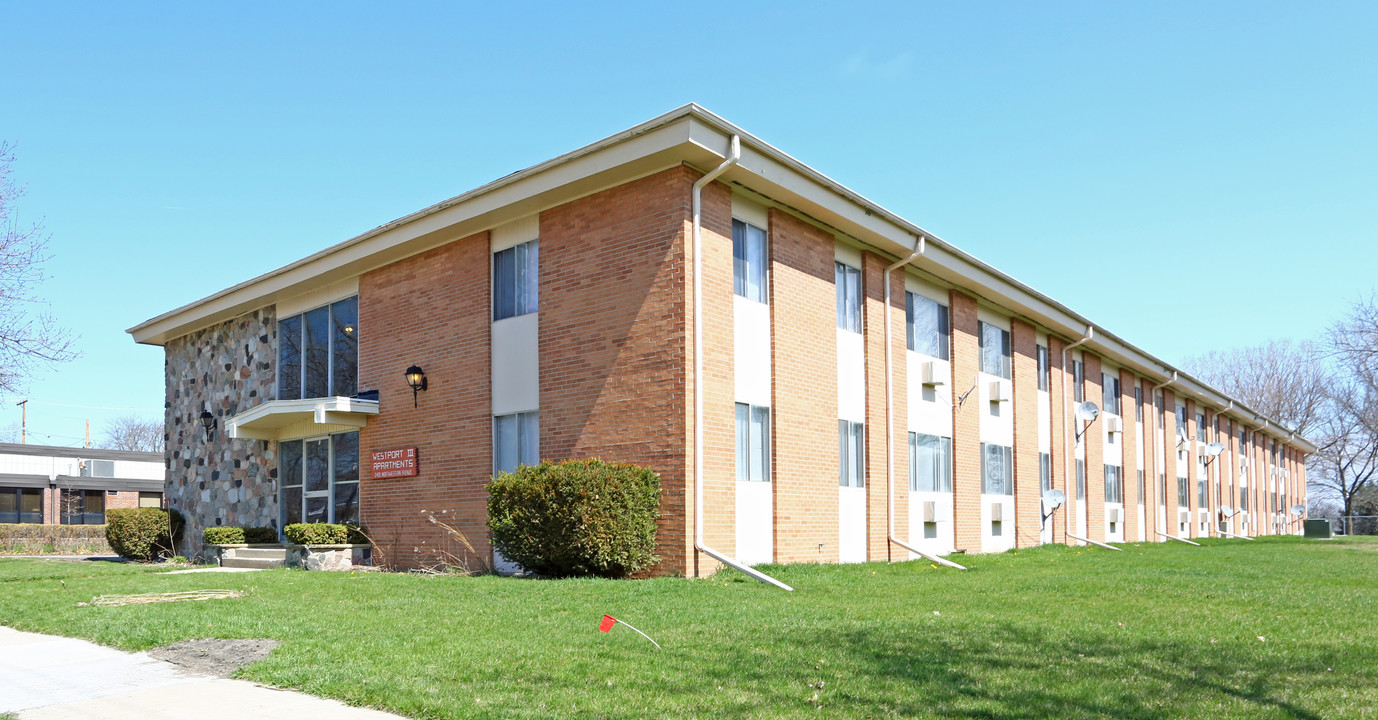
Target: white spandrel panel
{"type": "Point", "coordinates": [1045, 421]}
{"type": "Point", "coordinates": [997, 418]}
{"type": "Point", "coordinates": [930, 406]}
{"type": "Point", "coordinates": [851, 517]}
{"type": "Point", "coordinates": [133, 470]}
{"type": "Point", "coordinates": [755, 523]}
{"type": "Point", "coordinates": [751, 351]}
{"type": "Point", "coordinates": [516, 364]}
{"type": "Point", "coordinates": [851, 376]}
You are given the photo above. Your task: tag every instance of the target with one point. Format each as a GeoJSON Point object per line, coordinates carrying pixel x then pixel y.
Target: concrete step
{"type": "Point", "coordinates": [252, 563]}
{"type": "Point", "coordinates": [268, 553]}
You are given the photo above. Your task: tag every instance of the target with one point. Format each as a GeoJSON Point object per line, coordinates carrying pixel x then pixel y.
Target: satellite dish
{"type": "Point", "coordinates": [1053, 499]}
{"type": "Point", "coordinates": [1298, 510]}
{"type": "Point", "coordinates": [1088, 411]}
{"type": "Point", "coordinates": [1227, 511]}
{"type": "Point", "coordinates": [1214, 449]}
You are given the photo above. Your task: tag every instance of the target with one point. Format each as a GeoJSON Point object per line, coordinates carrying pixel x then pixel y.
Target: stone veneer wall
{"type": "Point", "coordinates": [227, 368]}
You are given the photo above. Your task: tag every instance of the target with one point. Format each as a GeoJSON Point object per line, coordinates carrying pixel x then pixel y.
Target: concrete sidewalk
{"type": "Point", "coordinates": [43, 677]}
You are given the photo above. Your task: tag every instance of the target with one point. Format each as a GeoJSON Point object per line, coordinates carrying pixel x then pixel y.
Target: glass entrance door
{"type": "Point", "coordinates": [318, 480]}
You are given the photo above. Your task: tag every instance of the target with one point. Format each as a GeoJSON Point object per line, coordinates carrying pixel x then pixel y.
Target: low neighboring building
{"type": "Point", "coordinates": [50, 484]}
{"type": "Point", "coordinates": [562, 312]}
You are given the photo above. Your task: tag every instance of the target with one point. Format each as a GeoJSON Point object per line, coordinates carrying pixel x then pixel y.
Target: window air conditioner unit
{"type": "Point", "coordinates": [998, 393]}
{"type": "Point", "coordinates": [1184, 516]}
{"type": "Point", "coordinates": [997, 512]}
{"type": "Point", "coordinates": [1114, 424]}
{"type": "Point", "coordinates": [1114, 515]}
{"type": "Point", "coordinates": [930, 511]}
{"type": "Point", "coordinates": [930, 374]}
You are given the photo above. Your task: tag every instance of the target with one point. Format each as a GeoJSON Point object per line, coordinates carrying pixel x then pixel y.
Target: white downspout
{"type": "Point", "coordinates": [733, 157]}
{"type": "Point", "coordinates": [1066, 458]}
{"type": "Point", "coordinates": [890, 420]}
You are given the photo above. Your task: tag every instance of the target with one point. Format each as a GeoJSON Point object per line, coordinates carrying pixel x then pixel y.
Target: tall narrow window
{"type": "Point", "coordinates": [516, 280]}
{"type": "Point", "coordinates": [1183, 493]}
{"type": "Point", "coordinates": [848, 280]}
{"type": "Point", "coordinates": [1114, 484]}
{"type": "Point", "coordinates": [344, 476]}
{"type": "Point", "coordinates": [997, 469]}
{"type": "Point", "coordinates": [926, 323]}
{"type": "Point", "coordinates": [749, 261]}
{"type": "Point", "coordinates": [996, 353]}
{"type": "Point", "coordinates": [1045, 368]}
{"type": "Point", "coordinates": [316, 380]}
{"type": "Point", "coordinates": [930, 463]}
{"type": "Point", "coordinates": [1140, 497]}
{"type": "Point", "coordinates": [753, 443]}
{"type": "Point", "coordinates": [1162, 489]}
{"type": "Point", "coordinates": [1138, 403]}
{"type": "Point", "coordinates": [516, 440]}
{"type": "Point", "coordinates": [1078, 381]}
{"type": "Point", "coordinates": [289, 358]}
{"type": "Point", "coordinates": [1110, 393]}
{"type": "Point", "coordinates": [344, 347]}
{"type": "Point", "coordinates": [1182, 421]}
{"type": "Point", "coordinates": [1201, 434]}
{"type": "Point", "coordinates": [1081, 479]}
{"type": "Point", "coordinates": [1158, 408]}
{"type": "Point", "coordinates": [1045, 471]}
{"type": "Point", "coordinates": [318, 352]}
{"type": "Point", "coordinates": [851, 471]}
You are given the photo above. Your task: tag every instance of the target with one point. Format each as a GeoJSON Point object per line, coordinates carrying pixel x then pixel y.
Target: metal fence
{"type": "Point", "coordinates": [1357, 525]}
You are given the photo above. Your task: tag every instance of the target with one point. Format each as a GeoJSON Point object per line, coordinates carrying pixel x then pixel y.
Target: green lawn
{"type": "Point", "coordinates": [1158, 631]}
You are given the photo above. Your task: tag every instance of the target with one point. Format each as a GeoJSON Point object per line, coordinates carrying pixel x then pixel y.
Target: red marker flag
{"type": "Point", "coordinates": [606, 625]}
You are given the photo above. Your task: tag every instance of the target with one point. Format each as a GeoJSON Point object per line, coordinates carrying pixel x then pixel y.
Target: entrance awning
{"type": "Point", "coordinates": [291, 419]}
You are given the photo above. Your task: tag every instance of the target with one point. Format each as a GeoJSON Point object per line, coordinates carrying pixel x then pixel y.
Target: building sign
{"type": "Point", "coordinates": [394, 463]}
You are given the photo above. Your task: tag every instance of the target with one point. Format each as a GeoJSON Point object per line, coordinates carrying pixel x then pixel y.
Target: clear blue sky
{"type": "Point", "coordinates": [1223, 153]}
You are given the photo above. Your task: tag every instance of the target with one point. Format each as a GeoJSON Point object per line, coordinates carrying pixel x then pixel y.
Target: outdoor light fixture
{"type": "Point", "coordinates": [208, 422]}
{"type": "Point", "coordinates": [416, 378]}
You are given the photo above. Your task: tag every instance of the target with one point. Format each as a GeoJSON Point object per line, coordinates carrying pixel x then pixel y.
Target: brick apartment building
{"type": "Point", "coordinates": [556, 313]}
{"type": "Point", "coordinates": [46, 484]}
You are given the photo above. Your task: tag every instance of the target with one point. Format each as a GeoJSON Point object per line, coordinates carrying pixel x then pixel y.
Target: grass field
{"type": "Point", "coordinates": [1278, 628]}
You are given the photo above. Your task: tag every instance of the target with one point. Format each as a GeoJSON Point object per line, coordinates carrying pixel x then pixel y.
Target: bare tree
{"type": "Point", "coordinates": [132, 432]}
{"type": "Point", "coordinates": [29, 336]}
{"type": "Point", "coordinates": [1281, 379]}
{"type": "Point", "coordinates": [1346, 462]}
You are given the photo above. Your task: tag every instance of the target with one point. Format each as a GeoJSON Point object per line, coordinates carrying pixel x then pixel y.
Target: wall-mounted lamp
{"type": "Point", "coordinates": [416, 378]}
{"type": "Point", "coordinates": [208, 422]}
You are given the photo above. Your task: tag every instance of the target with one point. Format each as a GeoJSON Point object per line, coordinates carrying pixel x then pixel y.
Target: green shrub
{"type": "Point", "coordinates": [223, 536]}
{"type": "Point", "coordinates": [260, 535]}
{"type": "Point", "coordinates": [139, 533]}
{"type": "Point", "coordinates": [358, 535]}
{"type": "Point", "coordinates": [316, 534]}
{"type": "Point", "coordinates": [581, 517]}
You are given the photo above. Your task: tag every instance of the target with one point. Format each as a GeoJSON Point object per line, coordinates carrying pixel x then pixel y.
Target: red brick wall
{"type": "Point", "coordinates": [1027, 490]}
{"type": "Point", "coordinates": [1170, 458]}
{"type": "Point", "coordinates": [1093, 438]}
{"type": "Point", "coordinates": [966, 424]}
{"type": "Point", "coordinates": [1130, 465]}
{"type": "Point", "coordinates": [1063, 468]}
{"type": "Point", "coordinates": [614, 343]}
{"type": "Point", "coordinates": [430, 310]}
{"type": "Point", "coordinates": [878, 544]}
{"type": "Point", "coordinates": [804, 357]}
{"type": "Point", "coordinates": [1150, 462]}
{"type": "Point", "coordinates": [1194, 435]}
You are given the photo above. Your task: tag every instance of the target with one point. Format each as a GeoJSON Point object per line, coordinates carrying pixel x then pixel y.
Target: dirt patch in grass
{"type": "Point", "coordinates": [211, 656]}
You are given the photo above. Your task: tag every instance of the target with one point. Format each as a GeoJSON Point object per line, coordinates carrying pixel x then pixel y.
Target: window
{"type": "Point", "coordinates": [753, 443]}
{"type": "Point", "coordinates": [318, 480]}
{"type": "Point", "coordinates": [926, 323]}
{"type": "Point", "coordinates": [930, 463]}
{"type": "Point", "coordinates": [21, 505]}
{"type": "Point", "coordinates": [1243, 497]}
{"type": "Point", "coordinates": [1078, 381]}
{"type": "Point", "coordinates": [82, 507]}
{"type": "Point", "coordinates": [997, 469]}
{"type": "Point", "coordinates": [848, 280]}
{"type": "Point", "coordinates": [1162, 489]}
{"type": "Point", "coordinates": [1181, 421]}
{"type": "Point", "coordinates": [749, 261]}
{"type": "Point", "coordinates": [1141, 487]}
{"type": "Point", "coordinates": [1158, 406]}
{"type": "Point", "coordinates": [851, 471]}
{"type": "Point", "coordinates": [98, 468]}
{"type": "Point", "coordinates": [1183, 493]}
{"type": "Point", "coordinates": [516, 440]}
{"type": "Point", "coordinates": [995, 350]}
{"type": "Point", "coordinates": [1201, 434]}
{"type": "Point", "coordinates": [150, 500]}
{"type": "Point", "coordinates": [1045, 368]}
{"type": "Point", "coordinates": [318, 352]}
{"type": "Point", "coordinates": [1045, 471]}
{"type": "Point", "coordinates": [1110, 393]}
{"type": "Point", "coordinates": [1081, 479]}
{"type": "Point", "coordinates": [1114, 485]}
{"type": "Point", "coordinates": [516, 280]}
{"type": "Point", "coordinates": [1138, 403]}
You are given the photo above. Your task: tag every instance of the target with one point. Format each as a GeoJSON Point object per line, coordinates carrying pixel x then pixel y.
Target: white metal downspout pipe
{"type": "Point", "coordinates": [890, 420]}
{"type": "Point", "coordinates": [1066, 458]}
{"type": "Point", "coordinates": [733, 157]}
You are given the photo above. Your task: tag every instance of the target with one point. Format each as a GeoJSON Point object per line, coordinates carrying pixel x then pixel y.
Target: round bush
{"type": "Point", "coordinates": [575, 518]}
{"type": "Point", "coordinates": [140, 533]}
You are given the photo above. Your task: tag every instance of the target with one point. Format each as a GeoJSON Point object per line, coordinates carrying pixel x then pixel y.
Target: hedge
{"type": "Point", "coordinates": [317, 533]}
{"type": "Point", "coordinates": [35, 539]}
{"type": "Point", "coordinates": [142, 533]}
{"type": "Point", "coordinates": [223, 536]}
{"type": "Point", "coordinates": [260, 535]}
{"type": "Point", "coordinates": [580, 517]}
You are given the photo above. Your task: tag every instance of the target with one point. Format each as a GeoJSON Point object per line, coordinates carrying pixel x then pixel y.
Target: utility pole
{"type": "Point", "coordinates": [23, 420]}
